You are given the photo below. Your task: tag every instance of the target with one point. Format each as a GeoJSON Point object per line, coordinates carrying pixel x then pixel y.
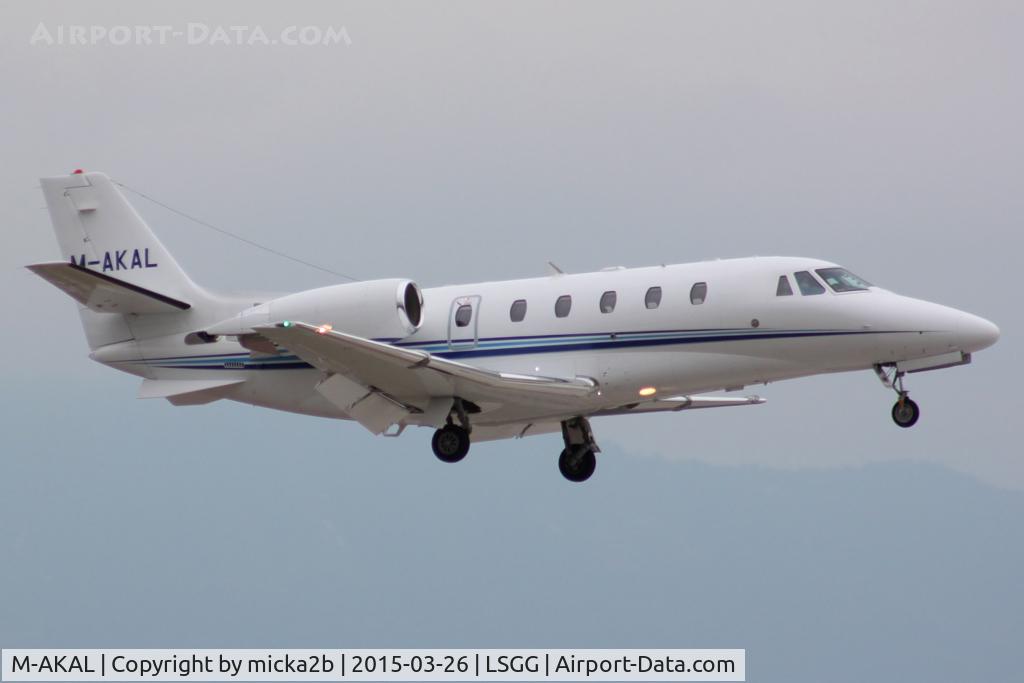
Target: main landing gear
{"type": "Point", "coordinates": [905, 413]}
{"type": "Point", "coordinates": [578, 459]}
{"type": "Point", "coordinates": [576, 463]}
{"type": "Point", "coordinates": [451, 442]}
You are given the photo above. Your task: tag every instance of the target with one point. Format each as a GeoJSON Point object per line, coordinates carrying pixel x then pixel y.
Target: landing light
{"type": "Point", "coordinates": [324, 329]}
{"type": "Point", "coordinates": [648, 391]}
{"type": "Point", "coordinates": [286, 323]}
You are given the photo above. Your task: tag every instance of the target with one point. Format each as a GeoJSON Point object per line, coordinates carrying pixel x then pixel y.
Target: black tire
{"type": "Point", "coordinates": [577, 463]}
{"type": "Point", "coordinates": [905, 413]}
{"type": "Point", "coordinates": [450, 443]}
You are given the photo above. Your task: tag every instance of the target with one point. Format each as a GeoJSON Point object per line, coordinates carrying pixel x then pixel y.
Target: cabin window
{"type": "Point", "coordinates": [653, 297]}
{"type": "Point", "coordinates": [518, 310]}
{"type": "Point", "coordinates": [698, 293]}
{"type": "Point", "coordinates": [807, 284]}
{"type": "Point", "coordinates": [463, 314]}
{"type": "Point", "coordinates": [608, 300]}
{"type": "Point", "coordinates": [563, 306]}
{"type": "Point", "coordinates": [783, 288]}
{"type": "Point", "coordinates": [842, 280]}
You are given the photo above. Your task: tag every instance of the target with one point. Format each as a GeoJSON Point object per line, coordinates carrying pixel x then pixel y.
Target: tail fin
{"type": "Point", "coordinates": [98, 229]}
{"type": "Point", "coordinates": [113, 261]}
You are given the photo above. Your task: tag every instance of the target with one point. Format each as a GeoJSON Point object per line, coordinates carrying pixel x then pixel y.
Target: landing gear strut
{"type": "Point", "coordinates": [905, 413]}
{"type": "Point", "coordinates": [451, 442]}
{"type": "Point", "coordinates": [578, 460]}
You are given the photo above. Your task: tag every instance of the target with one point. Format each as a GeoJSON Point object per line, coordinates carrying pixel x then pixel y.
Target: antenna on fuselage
{"type": "Point", "coordinates": [554, 270]}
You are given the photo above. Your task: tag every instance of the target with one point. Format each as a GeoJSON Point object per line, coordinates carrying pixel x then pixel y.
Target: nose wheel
{"type": "Point", "coordinates": [905, 413]}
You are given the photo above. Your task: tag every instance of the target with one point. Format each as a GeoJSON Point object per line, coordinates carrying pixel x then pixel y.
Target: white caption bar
{"type": "Point", "coordinates": [373, 665]}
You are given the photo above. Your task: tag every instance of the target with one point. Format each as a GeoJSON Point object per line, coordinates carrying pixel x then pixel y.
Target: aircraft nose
{"type": "Point", "coordinates": [976, 333]}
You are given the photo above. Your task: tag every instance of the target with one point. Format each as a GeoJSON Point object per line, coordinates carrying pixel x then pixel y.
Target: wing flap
{"type": "Point", "coordinates": [102, 293]}
{"type": "Point", "coordinates": [678, 403]}
{"type": "Point", "coordinates": [514, 430]}
{"type": "Point", "coordinates": [370, 407]}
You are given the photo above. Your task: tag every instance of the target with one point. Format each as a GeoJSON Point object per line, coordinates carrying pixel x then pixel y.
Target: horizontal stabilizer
{"type": "Point", "coordinates": [102, 293]}
{"type": "Point", "coordinates": [187, 392]}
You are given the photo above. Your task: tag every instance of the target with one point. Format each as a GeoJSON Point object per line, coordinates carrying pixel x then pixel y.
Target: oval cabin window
{"type": "Point", "coordinates": [463, 315]}
{"type": "Point", "coordinates": [563, 306]}
{"type": "Point", "coordinates": [518, 311]}
{"type": "Point", "coordinates": [698, 293]}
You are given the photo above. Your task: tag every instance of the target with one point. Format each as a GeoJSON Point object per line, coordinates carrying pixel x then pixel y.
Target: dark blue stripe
{"type": "Point", "coordinates": [548, 348]}
{"type": "Point", "coordinates": [214, 355]}
{"type": "Point", "coordinates": [248, 366]}
{"type": "Point", "coordinates": [613, 337]}
{"type": "Point", "coordinates": [633, 343]}
{"type": "Point", "coordinates": [417, 342]}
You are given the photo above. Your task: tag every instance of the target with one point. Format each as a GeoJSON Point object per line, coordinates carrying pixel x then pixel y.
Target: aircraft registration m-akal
{"type": "Point", "coordinates": [487, 360]}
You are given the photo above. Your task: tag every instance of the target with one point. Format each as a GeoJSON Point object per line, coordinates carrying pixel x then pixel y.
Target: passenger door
{"type": "Point", "coordinates": [463, 323]}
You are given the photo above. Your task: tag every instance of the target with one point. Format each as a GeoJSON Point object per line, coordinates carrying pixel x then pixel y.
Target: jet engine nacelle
{"type": "Point", "coordinates": [376, 309]}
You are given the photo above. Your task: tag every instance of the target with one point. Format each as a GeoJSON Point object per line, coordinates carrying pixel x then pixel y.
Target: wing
{"type": "Point", "coordinates": [379, 384]}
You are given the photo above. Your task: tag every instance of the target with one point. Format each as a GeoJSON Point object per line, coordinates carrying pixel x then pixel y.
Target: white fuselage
{"type": "Point", "coordinates": [741, 333]}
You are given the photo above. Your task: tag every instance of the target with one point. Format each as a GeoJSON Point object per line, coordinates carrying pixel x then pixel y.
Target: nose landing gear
{"type": "Point", "coordinates": [905, 413]}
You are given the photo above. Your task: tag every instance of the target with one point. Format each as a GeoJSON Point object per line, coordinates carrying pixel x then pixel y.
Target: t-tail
{"type": "Point", "coordinates": [113, 263]}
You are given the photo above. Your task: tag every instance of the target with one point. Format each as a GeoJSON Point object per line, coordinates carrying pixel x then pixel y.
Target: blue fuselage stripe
{"type": "Point", "coordinates": [509, 346]}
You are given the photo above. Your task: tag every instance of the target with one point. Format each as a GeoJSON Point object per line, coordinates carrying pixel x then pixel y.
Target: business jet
{"type": "Point", "coordinates": [487, 360]}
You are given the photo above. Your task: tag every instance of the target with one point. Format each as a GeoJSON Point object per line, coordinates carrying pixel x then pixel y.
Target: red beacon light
{"type": "Point", "coordinates": [77, 171]}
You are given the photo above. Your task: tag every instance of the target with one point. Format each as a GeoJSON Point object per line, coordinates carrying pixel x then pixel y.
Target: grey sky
{"type": "Point", "coordinates": [475, 141]}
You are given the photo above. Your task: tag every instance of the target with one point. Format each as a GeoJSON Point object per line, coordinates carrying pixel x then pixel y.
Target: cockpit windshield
{"type": "Point", "coordinates": [842, 280]}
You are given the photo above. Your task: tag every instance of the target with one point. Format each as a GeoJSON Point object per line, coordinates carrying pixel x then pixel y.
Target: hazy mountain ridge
{"type": "Point", "coordinates": [257, 529]}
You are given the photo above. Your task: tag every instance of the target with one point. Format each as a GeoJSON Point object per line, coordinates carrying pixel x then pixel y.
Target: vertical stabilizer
{"type": "Point", "coordinates": [120, 269]}
{"type": "Point", "coordinates": [98, 229]}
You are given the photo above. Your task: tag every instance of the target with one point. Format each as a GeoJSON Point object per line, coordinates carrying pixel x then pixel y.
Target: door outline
{"type": "Point", "coordinates": [469, 342]}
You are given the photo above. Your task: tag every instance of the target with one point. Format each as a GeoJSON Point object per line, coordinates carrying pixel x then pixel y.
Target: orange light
{"type": "Point", "coordinates": [324, 329]}
{"type": "Point", "coordinates": [648, 391]}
